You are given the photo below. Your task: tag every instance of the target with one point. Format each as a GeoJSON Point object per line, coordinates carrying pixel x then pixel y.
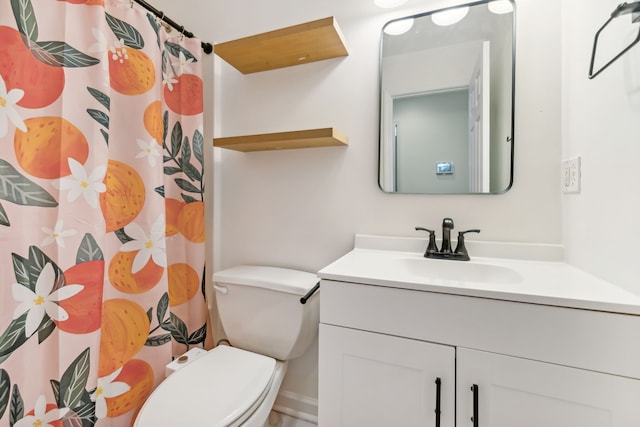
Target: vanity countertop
{"type": "Point", "coordinates": [539, 279]}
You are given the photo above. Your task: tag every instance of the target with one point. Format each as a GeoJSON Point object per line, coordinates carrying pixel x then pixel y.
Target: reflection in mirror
{"type": "Point", "coordinates": [446, 101]}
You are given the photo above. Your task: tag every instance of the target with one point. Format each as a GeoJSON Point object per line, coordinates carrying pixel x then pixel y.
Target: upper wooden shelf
{"type": "Point", "coordinates": [284, 140]}
{"type": "Point", "coordinates": [299, 44]}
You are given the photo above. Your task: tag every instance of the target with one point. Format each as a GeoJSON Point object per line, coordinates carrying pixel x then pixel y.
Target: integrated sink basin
{"type": "Point", "coordinates": [437, 271]}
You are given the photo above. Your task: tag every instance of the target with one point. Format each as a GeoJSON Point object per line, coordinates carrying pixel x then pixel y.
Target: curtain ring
{"type": "Point", "coordinates": [163, 24]}
{"type": "Point", "coordinates": [181, 32]}
{"type": "Point", "coordinates": [131, 3]}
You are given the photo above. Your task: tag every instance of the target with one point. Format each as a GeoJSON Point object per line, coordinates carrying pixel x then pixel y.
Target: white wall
{"type": "Point", "coordinates": [601, 124]}
{"type": "Point", "coordinates": [423, 76]}
{"type": "Point", "coordinates": [301, 208]}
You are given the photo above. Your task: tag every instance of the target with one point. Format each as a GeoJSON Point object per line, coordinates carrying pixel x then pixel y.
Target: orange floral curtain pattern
{"type": "Point", "coordinates": [101, 209]}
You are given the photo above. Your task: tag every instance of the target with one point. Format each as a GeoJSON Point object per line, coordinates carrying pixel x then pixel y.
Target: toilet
{"type": "Point", "coordinates": [266, 324]}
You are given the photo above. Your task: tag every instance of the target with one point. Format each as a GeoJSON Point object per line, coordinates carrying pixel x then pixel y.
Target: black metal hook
{"type": "Point", "coordinates": [622, 9]}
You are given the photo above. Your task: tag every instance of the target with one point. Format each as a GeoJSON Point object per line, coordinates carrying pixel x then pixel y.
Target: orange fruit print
{"type": "Point", "coordinates": [172, 209]}
{"type": "Point", "coordinates": [131, 71]}
{"type": "Point", "coordinates": [186, 96]}
{"type": "Point", "coordinates": [42, 83]}
{"type": "Point", "coordinates": [139, 375]}
{"type": "Point", "coordinates": [44, 149]}
{"type": "Point", "coordinates": [125, 195]}
{"type": "Point", "coordinates": [85, 307]}
{"type": "Point", "coordinates": [152, 120]}
{"type": "Point", "coordinates": [124, 280]}
{"type": "Point", "coordinates": [125, 327]}
{"type": "Point", "coordinates": [183, 283]}
{"type": "Point", "coordinates": [191, 222]}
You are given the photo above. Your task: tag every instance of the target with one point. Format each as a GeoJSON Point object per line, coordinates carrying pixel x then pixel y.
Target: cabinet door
{"type": "Point", "coordinates": [519, 392]}
{"type": "Point", "coordinates": [369, 379]}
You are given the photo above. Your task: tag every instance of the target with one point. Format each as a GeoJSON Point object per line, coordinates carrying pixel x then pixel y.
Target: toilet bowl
{"type": "Point", "coordinates": [225, 387]}
{"type": "Point", "coordinates": [266, 323]}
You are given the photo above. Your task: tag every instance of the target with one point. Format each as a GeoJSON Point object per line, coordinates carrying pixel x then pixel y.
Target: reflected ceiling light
{"type": "Point", "coordinates": [449, 16]}
{"type": "Point", "coordinates": [387, 4]}
{"type": "Point", "coordinates": [500, 6]}
{"type": "Point", "coordinates": [398, 27]}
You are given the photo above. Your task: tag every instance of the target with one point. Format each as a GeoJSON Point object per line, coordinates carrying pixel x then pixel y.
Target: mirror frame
{"type": "Point", "coordinates": [381, 101]}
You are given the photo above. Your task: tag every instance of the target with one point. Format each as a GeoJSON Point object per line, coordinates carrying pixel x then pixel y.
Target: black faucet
{"type": "Point", "coordinates": [460, 254]}
{"type": "Point", "coordinates": [447, 226]}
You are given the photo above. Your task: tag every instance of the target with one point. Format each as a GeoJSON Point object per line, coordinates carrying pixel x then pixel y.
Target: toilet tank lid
{"type": "Point", "coordinates": [275, 278]}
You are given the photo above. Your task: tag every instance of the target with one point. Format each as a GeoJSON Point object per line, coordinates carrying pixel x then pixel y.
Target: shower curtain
{"type": "Point", "coordinates": [101, 209]}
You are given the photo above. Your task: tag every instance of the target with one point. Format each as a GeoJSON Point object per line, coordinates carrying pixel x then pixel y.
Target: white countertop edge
{"type": "Point", "coordinates": [554, 301]}
{"type": "Point", "coordinates": [506, 250]}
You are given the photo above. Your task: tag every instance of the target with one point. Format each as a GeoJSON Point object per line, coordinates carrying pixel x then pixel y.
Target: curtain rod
{"type": "Point", "coordinates": [206, 47]}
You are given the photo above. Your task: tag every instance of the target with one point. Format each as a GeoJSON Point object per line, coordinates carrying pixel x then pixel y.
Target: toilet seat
{"type": "Point", "coordinates": [222, 388]}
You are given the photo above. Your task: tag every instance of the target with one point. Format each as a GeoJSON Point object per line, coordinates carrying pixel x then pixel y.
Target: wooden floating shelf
{"type": "Point", "coordinates": [325, 137]}
{"type": "Point", "coordinates": [299, 44]}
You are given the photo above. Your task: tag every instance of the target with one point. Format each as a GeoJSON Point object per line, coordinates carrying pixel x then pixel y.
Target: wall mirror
{"type": "Point", "coordinates": [446, 100]}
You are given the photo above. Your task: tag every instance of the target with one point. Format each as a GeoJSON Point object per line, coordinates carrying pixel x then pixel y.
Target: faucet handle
{"type": "Point", "coordinates": [473, 230]}
{"type": "Point", "coordinates": [460, 247]}
{"type": "Point", "coordinates": [424, 229]}
{"type": "Point", "coordinates": [431, 246]}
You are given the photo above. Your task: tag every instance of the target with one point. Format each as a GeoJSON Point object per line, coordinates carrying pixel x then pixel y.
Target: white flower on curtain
{"type": "Point", "coordinates": [119, 51]}
{"type": "Point", "coordinates": [107, 388]}
{"type": "Point", "coordinates": [168, 81]}
{"type": "Point", "coordinates": [42, 301]}
{"type": "Point", "coordinates": [57, 234]}
{"type": "Point", "coordinates": [41, 417]}
{"type": "Point", "coordinates": [8, 112]}
{"type": "Point", "coordinates": [182, 63]}
{"type": "Point", "coordinates": [100, 47]}
{"type": "Point", "coordinates": [81, 183]}
{"type": "Point", "coordinates": [149, 150]}
{"type": "Point", "coordinates": [151, 246]}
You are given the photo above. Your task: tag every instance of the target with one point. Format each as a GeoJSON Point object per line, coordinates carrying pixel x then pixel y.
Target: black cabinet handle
{"type": "Point", "coordinates": [438, 390]}
{"type": "Point", "coordinates": [474, 419]}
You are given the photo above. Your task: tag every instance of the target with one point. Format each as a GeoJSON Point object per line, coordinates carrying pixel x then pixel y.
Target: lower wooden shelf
{"type": "Point", "coordinates": [324, 137]}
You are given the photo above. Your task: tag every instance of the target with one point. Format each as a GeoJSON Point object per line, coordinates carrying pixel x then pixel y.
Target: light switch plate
{"type": "Point", "coordinates": [571, 175]}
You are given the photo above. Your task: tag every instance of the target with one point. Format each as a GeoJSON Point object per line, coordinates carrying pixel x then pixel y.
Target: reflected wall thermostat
{"type": "Point", "coordinates": [444, 168]}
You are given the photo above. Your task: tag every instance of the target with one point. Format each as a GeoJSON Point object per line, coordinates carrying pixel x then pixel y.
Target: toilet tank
{"type": "Point", "coordinates": [260, 309]}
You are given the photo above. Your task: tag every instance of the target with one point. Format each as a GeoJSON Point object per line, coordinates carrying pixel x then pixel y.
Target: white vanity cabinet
{"type": "Point", "coordinates": [532, 365]}
{"type": "Point", "coordinates": [513, 391]}
{"type": "Point", "coordinates": [370, 379]}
